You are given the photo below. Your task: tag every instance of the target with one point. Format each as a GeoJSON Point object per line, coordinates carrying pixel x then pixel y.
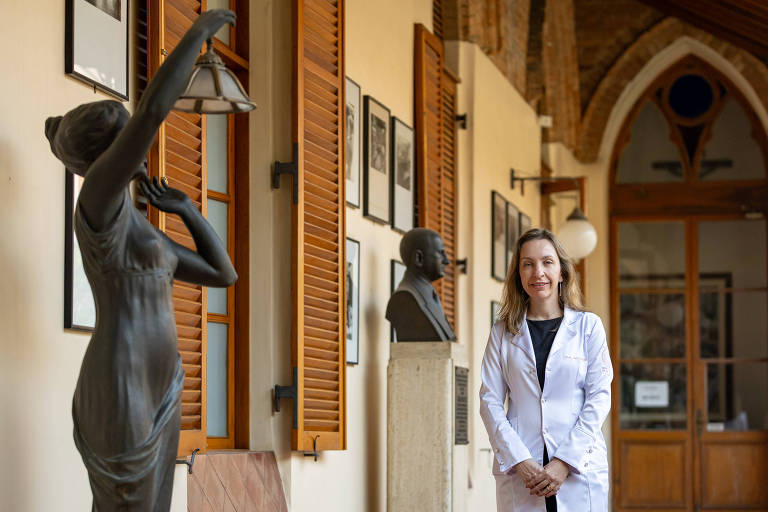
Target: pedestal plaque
{"type": "Point", "coordinates": [426, 468]}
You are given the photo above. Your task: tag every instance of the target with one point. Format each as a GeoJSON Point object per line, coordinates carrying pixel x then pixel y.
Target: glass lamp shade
{"type": "Point", "coordinates": [213, 89]}
{"type": "Point", "coordinates": [577, 235]}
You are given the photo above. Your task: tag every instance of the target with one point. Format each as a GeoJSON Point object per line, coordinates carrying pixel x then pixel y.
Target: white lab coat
{"type": "Point", "coordinates": [567, 415]}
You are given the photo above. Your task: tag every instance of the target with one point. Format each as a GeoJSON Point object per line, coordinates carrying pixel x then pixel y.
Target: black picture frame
{"type": "Point", "coordinates": [396, 274]}
{"type": "Point", "coordinates": [89, 56]}
{"type": "Point", "coordinates": [79, 306]}
{"type": "Point", "coordinates": [513, 231]}
{"type": "Point", "coordinates": [402, 176]}
{"type": "Point", "coordinates": [352, 141]}
{"type": "Point", "coordinates": [525, 223]}
{"type": "Point", "coordinates": [376, 155]}
{"type": "Point", "coordinates": [352, 309]}
{"type": "Point", "coordinates": [498, 236]}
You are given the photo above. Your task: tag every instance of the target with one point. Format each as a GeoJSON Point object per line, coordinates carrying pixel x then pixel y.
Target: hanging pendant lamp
{"type": "Point", "coordinates": [577, 235]}
{"type": "Point", "coordinates": [212, 88]}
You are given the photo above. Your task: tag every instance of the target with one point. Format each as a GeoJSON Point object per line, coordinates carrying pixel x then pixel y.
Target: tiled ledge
{"type": "Point", "coordinates": [238, 481]}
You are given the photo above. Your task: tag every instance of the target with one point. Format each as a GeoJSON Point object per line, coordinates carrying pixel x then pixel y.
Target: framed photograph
{"type": "Point", "coordinates": [402, 179]}
{"type": "Point", "coordinates": [525, 223]}
{"type": "Point", "coordinates": [96, 46]}
{"type": "Point", "coordinates": [376, 140]}
{"type": "Point", "coordinates": [353, 301]}
{"type": "Point", "coordinates": [513, 230]}
{"type": "Point", "coordinates": [495, 310]}
{"type": "Point", "coordinates": [396, 274]}
{"type": "Point", "coordinates": [498, 236]}
{"type": "Point", "coordinates": [352, 138]}
{"type": "Point", "coordinates": [79, 307]}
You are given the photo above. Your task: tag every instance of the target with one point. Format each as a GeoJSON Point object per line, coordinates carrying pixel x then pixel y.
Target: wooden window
{"type": "Point", "coordinates": [435, 101]}
{"type": "Point", "coordinates": [208, 160]}
{"type": "Point", "coordinates": [318, 226]}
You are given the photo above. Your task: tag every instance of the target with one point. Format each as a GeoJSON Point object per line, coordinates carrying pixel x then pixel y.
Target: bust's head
{"type": "Point", "coordinates": [423, 253]}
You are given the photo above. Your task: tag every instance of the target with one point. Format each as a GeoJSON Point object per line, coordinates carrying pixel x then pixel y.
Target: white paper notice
{"type": "Point", "coordinates": [651, 393]}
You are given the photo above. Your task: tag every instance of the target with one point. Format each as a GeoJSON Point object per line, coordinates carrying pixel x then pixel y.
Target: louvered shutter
{"type": "Point", "coordinates": [178, 154]}
{"type": "Point", "coordinates": [448, 195]}
{"type": "Point", "coordinates": [318, 329]}
{"type": "Point", "coordinates": [435, 100]}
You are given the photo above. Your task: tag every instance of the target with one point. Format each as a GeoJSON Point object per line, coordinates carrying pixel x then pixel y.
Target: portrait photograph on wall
{"type": "Point", "coordinates": [79, 307]}
{"type": "Point", "coordinates": [352, 137]}
{"type": "Point", "coordinates": [396, 274]}
{"type": "Point", "coordinates": [96, 44]}
{"type": "Point", "coordinates": [402, 178]}
{"type": "Point", "coordinates": [353, 301]}
{"type": "Point", "coordinates": [376, 166]}
{"type": "Point", "coordinates": [513, 230]}
{"type": "Point", "coordinates": [498, 236]}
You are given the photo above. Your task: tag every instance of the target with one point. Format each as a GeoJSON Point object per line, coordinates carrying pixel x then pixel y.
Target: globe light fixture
{"type": "Point", "coordinates": [212, 88]}
{"type": "Point", "coordinates": [577, 235]}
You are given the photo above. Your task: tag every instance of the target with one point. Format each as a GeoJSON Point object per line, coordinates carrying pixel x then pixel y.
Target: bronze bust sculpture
{"type": "Point", "coordinates": [414, 309]}
{"type": "Point", "coordinates": [127, 403]}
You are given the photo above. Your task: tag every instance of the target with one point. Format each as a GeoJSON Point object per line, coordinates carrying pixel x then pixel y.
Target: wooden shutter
{"type": "Point", "coordinates": [178, 154]}
{"type": "Point", "coordinates": [318, 329]}
{"type": "Point", "coordinates": [437, 18]}
{"type": "Point", "coordinates": [435, 103]}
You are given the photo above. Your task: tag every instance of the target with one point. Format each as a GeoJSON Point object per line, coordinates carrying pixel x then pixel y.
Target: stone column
{"type": "Point", "coordinates": [426, 470]}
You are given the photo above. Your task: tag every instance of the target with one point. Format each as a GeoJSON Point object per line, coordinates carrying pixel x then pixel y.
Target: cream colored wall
{"type": "Point", "coordinates": [503, 133]}
{"type": "Point", "coordinates": [39, 360]}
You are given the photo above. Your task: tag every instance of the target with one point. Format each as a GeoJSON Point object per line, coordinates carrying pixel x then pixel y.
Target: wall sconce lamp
{"type": "Point", "coordinates": [577, 235]}
{"type": "Point", "coordinates": [212, 88]}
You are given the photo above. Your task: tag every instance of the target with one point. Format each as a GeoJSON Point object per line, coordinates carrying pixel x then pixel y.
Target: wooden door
{"type": "Point", "coordinates": [690, 347]}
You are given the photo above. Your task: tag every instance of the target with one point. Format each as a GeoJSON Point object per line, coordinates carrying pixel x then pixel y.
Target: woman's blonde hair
{"type": "Point", "coordinates": [514, 301]}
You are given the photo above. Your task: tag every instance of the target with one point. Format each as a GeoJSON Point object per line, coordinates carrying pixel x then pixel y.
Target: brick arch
{"type": "Point", "coordinates": [634, 59]}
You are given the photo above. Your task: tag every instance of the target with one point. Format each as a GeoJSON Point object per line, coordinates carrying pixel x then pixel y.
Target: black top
{"type": "Point", "coordinates": [542, 335]}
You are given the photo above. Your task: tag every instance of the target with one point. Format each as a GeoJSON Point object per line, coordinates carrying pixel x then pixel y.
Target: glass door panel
{"type": "Point", "coordinates": [652, 325]}
{"type": "Point", "coordinates": [733, 324]}
{"type": "Point", "coordinates": [736, 397]}
{"type": "Point", "coordinates": [653, 396]}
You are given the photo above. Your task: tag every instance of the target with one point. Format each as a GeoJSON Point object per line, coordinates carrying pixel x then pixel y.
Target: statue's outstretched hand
{"type": "Point", "coordinates": [210, 21]}
{"type": "Point", "coordinates": [163, 197]}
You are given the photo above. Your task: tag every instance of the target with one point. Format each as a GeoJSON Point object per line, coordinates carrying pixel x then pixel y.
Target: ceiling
{"type": "Point", "coordinates": [741, 22]}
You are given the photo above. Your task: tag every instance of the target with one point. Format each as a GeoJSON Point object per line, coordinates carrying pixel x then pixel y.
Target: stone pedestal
{"type": "Point", "coordinates": [426, 470]}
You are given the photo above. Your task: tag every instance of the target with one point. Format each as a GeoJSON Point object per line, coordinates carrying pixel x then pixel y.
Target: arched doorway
{"type": "Point", "coordinates": [689, 297]}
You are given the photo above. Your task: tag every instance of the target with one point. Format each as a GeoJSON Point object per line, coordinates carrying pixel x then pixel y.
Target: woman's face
{"type": "Point", "coordinates": [540, 270]}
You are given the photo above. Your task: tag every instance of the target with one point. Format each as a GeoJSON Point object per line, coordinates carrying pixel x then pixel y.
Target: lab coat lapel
{"type": "Point", "coordinates": [523, 340]}
{"type": "Point", "coordinates": [566, 331]}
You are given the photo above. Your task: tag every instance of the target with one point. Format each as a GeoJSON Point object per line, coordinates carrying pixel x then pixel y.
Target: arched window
{"type": "Point", "coordinates": [691, 125]}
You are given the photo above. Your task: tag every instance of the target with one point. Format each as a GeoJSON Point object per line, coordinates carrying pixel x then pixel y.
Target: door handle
{"type": "Point", "coordinates": [699, 422]}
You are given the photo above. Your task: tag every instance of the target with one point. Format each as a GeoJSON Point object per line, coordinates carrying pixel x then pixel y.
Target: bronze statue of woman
{"type": "Point", "coordinates": [127, 403]}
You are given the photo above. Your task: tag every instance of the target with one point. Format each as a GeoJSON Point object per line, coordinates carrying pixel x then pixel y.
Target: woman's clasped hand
{"type": "Point", "coordinates": [543, 481]}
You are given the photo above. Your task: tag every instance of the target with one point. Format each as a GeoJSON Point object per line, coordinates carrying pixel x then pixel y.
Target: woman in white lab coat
{"type": "Point", "coordinates": [549, 451]}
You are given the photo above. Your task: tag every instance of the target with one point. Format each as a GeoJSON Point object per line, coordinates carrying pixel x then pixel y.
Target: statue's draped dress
{"type": "Point", "coordinates": [127, 404]}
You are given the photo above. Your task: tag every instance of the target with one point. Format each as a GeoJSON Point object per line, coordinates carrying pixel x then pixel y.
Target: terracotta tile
{"type": "Point", "coordinates": [256, 462]}
{"type": "Point", "coordinates": [240, 461]}
{"type": "Point", "coordinates": [200, 466]}
{"type": "Point", "coordinates": [195, 496]}
{"type": "Point", "coordinates": [255, 491]}
{"type": "Point", "coordinates": [251, 505]}
{"type": "Point", "coordinates": [228, 506]}
{"type": "Point", "coordinates": [214, 490]}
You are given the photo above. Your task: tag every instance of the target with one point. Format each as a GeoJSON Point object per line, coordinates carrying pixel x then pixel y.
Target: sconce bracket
{"type": "Point", "coordinates": [291, 168]}
{"type": "Point", "coordinates": [549, 184]}
{"type": "Point", "coordinates": [289, 392]}
{"type": "Point", "coordinates": [462, 265]}
{"type": "Point", "coordinates": [462, 120]}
